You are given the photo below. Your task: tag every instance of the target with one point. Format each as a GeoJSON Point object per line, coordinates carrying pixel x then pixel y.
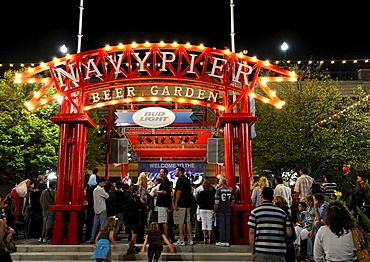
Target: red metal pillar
{"type": "Point", "coordinates": [229, 155]}
{"type": "Point", "coordinates": [71, 175]}
{"type": "Point", "coordinates": [241, 211]}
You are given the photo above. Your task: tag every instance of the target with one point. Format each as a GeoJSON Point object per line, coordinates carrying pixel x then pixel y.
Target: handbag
{"type": "Point", "coordinates": [361, 244]}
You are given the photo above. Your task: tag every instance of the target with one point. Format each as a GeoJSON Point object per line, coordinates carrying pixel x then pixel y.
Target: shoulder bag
{"type": "Point", "coordinates": [361, 244]}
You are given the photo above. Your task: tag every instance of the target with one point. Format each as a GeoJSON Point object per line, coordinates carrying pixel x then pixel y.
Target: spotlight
{"type": "Point", "coordinates": [148, 139]}
{"type": "Point", "coordinates": [140, 139]}
{"type": "Point", "coordinates": [172, 140]}
{"type": "Point", "coordinates": [194, 140]}
{"type": "Point", "coordinates": [156, 140]}
{"type": "Point", "coordinates": [163, 140]}
{"type": "Point", "coordinates": [186, 139]}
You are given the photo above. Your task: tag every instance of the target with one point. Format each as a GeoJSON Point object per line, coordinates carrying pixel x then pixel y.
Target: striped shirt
{"type": "Point", "coordinates": [328, 189]}
{"type": "Point", "coordinates": [303, 186]}
{"type": "Point", "coordinates": [269, 223]}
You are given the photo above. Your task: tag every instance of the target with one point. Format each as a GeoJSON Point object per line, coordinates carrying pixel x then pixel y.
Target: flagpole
{"type": "Point", "coordinates": [232, 34]}
{"type": "Point", "coordinates": [80, 27]}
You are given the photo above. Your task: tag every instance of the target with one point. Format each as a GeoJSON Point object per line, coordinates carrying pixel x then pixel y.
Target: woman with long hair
{"type": "Point", "coordinates": [334, 241]}
{"type": "Point", "coordinates": [206, 202]}
{"type": "Point", "coordinates": [257, 191]}
{"type": "Point", "coordinates": [281, 202]}
{"type": "Point", "coordinates": [103, 240]}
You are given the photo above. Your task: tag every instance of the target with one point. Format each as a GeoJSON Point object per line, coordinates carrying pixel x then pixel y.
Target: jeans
{"type": "Point", "coordinates": [99, 222]}
{"type": "Point", "coordinates": [224, 227]}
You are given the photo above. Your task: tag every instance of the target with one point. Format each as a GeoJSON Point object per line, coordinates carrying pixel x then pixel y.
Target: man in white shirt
{"type": "Point", "coordinates": [282, 190]}
{"type": "Point", "coordinates": [100, 208]}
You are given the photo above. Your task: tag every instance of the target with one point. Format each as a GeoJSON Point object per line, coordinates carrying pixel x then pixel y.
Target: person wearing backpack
{"type": "Point", "coordinates": [47, 199]}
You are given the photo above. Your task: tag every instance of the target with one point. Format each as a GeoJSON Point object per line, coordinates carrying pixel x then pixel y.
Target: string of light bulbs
{"type": "Point", "coordinates": [277, 62]}
{"type": "Point", "coordinates": [343, 110]}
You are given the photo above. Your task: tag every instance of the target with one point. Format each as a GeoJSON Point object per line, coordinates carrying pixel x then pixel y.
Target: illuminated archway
{"type": "Point", "coordinates": [134, 74]}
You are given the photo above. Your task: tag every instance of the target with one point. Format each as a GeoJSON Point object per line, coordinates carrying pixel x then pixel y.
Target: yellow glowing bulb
{"type": "Point", "coordinates": [187, 45]}
{"type": "Point", "coordinates": [27, 104]}
{"type": "Point", "coordinates": [99, 104]}
{"type": "Point", "coordinates": [18, 75]}
{"type": "Point", "coordinates": [175, 44]}
{"type": "Point", "coordinates": [113, 102]}
{"type": "Point", "coordinates": [201, 46]}
{"type": "Point", "coordinates": [161, 43]}
{"type": "Point", "coordinates": [292, 73]}
{"type": "Point", "coordinates": [140, 99]}
{"type": "Point", "coordinates": [265, 100]}
{"type": "Point", "coordinates": [293, 79]}
{"type": "Point", "coordinates": [227, 52]}
{"type": "Point", "coordinates": [266, 63]}
{"type": "Point", "coordinates": [240, 54]}
{"type": "Point", "coordinates": [120, 46]}
{"type": "Point", "coordinates": [44, 101]}
{"type": "Point", "coordinates": [55, 60]}
{"type": "Point", "coordinates": [168, 99]}
{"type": "Point", "coordinates": [42, 64]}
{"type": "Point", "coordinates": [45, 80]}
{"type": "Point", "coordinates": [127, 100]}
{"type": "Point", "coordinates": [254, 59]}
{"type": "Point", "coordinates": [18, 81]}
{"type": "Point", "coordinates": [195, 102]}
{"type": "Point", "coordinates": [108, 47]}
{"type": "Point", "coordinates": [147, 44]}
{"type": "Point", "coordinates": [154, 98]}
{"type": "Point", "coordinates": [221, 108]}
{"type": "Point", "coordinates": [273, 93]}
{"type": "Point", "coordinates": [36, 94]}
{"type": "Point", "coordinates": [31, 81]}
{"type": "Point", "coordinates": [279, 79]}
{"type": "Point", "coordinates": [181, 100]}
{"type": "Point", "coordinates": [30, 69]}
{"type": "Point", "coordinates": [253, 95]}
{"type": "Point", "coordinates": [134, 44]}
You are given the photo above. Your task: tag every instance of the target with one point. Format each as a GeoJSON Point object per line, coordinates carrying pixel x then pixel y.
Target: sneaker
{"type": "Point", "coordinates": [41, 239]}
{"type": "Point", "coordinates": [221, 244]}
{"type": "Point", "coordinates": [180, 243]}
{"type": "Point", "coordinates": [227, 244]}
{"type": "Point", "coordinates": [190, 242]}
{"type": "Point", "coordinates": [46, 240]}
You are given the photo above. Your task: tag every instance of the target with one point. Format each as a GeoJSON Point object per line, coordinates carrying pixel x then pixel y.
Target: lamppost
{"type": "Point", "coordinates": [284, 47]}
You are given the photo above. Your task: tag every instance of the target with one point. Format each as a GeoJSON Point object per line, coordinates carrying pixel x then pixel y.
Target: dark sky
{"type": "Point", "coordinates": [33, 31]}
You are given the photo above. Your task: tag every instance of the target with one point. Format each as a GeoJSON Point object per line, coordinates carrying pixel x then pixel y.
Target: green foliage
{"type": "Point", "coordinates": [96, 143]}
{"type": "Point", "coordinates": [29, 140]}
{"type": "Point", "coordinates": [317, 128]}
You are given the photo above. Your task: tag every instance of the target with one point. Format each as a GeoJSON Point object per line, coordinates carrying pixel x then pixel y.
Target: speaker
{"type": "Point", "coordinates": [215, 151]}
{"type": "Point", "coordinates": [119, 150]}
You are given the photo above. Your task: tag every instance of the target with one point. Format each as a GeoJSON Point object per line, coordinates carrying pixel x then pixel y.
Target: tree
{"type": "Point", "coordinates": [307, 131]}
{"type": "Point", "coordinates": [29, 140]}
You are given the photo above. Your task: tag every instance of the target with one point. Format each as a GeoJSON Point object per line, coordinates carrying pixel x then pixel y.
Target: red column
{"type": "Point", "coordinates": [229, 154]}
{"type": "Point", "coordinates": [71, 176]}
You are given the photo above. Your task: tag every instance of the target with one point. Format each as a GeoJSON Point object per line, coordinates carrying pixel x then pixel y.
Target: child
{"type": "Point", "coordinates": [155, 248]}
{"type": "Point", "coordinates": [103, 240]}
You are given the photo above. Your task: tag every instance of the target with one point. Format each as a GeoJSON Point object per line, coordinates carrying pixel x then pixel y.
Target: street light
{"type": "Point", "coordinates": [63, 49]}
{"type": "Point", "coordinates": [284, 47]}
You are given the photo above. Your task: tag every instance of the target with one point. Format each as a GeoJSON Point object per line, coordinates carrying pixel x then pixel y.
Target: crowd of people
{"type": "Point", "coordinates": [285, 223]}
{"type": "Point", "coordinates": [205, 210]}
{"type": "Point", "coordinates": [300, 223]}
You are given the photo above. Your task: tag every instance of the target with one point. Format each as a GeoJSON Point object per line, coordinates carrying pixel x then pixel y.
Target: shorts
{"type": "Point", "coordinates": [162, 215]}
{"type": "Point", "coordinates": [182, 216]}
{"type": "Point", "coordinates": [207, 219]}
{"type": "Point", "coordinates": [152, 254]}
{"type": "Point", "coordinates": [48, 219]}
{"type": "Point", "coordinates": [120, 219]}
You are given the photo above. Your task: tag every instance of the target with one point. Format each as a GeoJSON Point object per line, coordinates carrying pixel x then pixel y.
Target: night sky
{"type": "Point", "coordinates": [33, 31]}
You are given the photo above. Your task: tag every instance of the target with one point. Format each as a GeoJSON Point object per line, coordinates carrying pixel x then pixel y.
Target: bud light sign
{"type": "Point", "coordinates": [154, 117]}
